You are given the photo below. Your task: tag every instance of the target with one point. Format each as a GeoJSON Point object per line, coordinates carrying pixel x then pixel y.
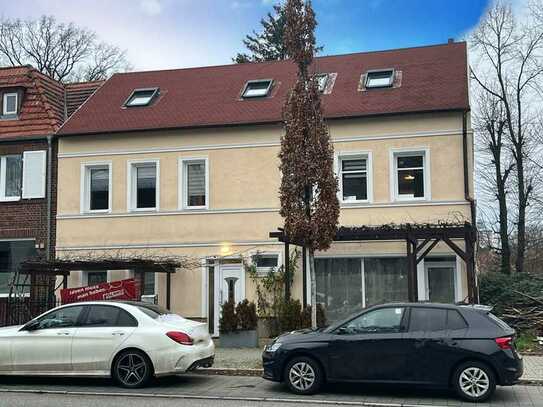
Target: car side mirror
{"type": "Point", "coordinates": [31, 326]}
{"type": "Point", "coordinates": [342, 331]}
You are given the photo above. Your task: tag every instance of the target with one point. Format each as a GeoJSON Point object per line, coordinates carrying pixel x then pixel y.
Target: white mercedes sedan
{"type": "Point", "coordinates": [129, 341]}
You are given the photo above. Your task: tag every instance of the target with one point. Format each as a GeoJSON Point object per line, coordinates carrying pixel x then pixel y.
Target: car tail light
{"type": "Point", "coordinates": [180, 337]}
{"type": "Point", "coordinates": [504, 343]}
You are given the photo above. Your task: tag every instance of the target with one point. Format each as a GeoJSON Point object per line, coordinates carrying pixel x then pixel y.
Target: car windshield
{"type": "Point", "coordinates": [153, 311]}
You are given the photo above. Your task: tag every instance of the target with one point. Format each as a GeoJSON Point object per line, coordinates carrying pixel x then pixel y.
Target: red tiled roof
{"type": "Point", "coordinates": [42, 110]}
{"type": "Point", "coordinates": [78, 93]}
{"type": "Point", "coordinates": [434, 78]}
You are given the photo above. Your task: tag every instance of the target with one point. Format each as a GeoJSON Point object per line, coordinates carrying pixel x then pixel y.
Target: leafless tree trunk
{"type": "Point", "coordinates": [509, 68]}
{"type": "Point", "coordinates": [496, 167]}
{"type": "Point", "coordinates": [63, 52]}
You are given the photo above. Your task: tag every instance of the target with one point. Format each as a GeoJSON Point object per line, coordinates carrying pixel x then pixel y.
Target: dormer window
{"type": "Point", "coordinates": [382, 78]}
{"type": "Point", "coordinates": [141, 97]}
{"type": "Point", "coordinates": [322, 81]}
{"type": "Point", "coordinates": [257, 89]}
{"type": "Point", "coordinates": [9, 104]}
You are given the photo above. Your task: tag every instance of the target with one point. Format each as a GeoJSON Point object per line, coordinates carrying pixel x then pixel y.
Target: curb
{"type": "Point", "coordinates": [225, 398]}
{"type": "Point", "coordinates": [229, 371]}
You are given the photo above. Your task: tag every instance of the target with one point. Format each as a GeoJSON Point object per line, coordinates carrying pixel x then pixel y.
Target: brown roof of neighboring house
{"type": "Point", "coordinates": [42, 109]}
{"type": "Point", "coordinates": [433, 78]}
{"type": "Point", "coordinates": [78, 93]}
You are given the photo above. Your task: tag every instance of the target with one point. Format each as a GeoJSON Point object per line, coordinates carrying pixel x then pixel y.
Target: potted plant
{"type": "Point", "coordinates": [238, 325]}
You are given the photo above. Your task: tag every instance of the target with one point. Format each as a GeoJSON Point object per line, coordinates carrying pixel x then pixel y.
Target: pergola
{"type": "Point", "coordinates": [63, 267]}
{"type": "Point", "coordinates": [420, 239]}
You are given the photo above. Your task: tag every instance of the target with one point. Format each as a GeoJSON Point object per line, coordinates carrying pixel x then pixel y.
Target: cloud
{"type": "Point", "coordinates": [151, 7]}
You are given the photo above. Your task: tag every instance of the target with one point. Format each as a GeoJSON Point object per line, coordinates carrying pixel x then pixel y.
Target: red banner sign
{"type": "Point", "coordinates": [115, 290]}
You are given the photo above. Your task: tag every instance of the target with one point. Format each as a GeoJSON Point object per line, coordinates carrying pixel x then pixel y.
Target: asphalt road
{"type": "Point", "coordinates": [202, 390]}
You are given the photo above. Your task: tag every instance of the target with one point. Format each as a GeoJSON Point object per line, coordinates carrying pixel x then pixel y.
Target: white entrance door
{"type": "Point", "coordinates": [229, 285]}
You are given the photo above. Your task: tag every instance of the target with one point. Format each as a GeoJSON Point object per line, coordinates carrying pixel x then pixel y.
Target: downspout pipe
{"type": "Point", "coordinates": [467, 195]}
{"type": "Point", "coordinates": [48, 250]}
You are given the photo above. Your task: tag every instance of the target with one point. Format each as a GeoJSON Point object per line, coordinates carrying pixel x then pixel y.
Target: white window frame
{"type": "Point", "coordinates": [128, 101]}
{"type": "Point", "coordinates": [5, 103]}
{"type": "Point", "coordinates": [394, 153]}
{"type": "Point", "coordinates": [262, 271]}
{"type": "Point", "coordinates": [182, 202]}
{"type": "Point", "coordinates": [85, 276]}
{"type": "Point", "coordinates": [351, 155]}
{"type": "Point", "coordinates": [251, 82]}
{"type": "Point", "coordinates": [4, 198]}
{"type": "Point", "coordinates": [131, 185]}
{"type": "Point", "coordinates": [85, 185]}
{"type": "Point", "coordinates": [378, 71]}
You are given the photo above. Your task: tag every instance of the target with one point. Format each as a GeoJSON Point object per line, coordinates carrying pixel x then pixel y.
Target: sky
{"type": "Point", "coordinates": [161, 34]}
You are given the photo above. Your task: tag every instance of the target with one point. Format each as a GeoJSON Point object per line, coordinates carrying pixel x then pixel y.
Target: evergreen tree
{"type": "Point", "coordinates": [268, 44]}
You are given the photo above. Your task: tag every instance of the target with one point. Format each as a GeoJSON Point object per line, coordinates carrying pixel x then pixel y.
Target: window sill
{"type": "Point", "coordinates": [194, 208]}
{"type": "Point", "coordinates": [97, 211]}
{"type": "Point", "coordinates": [143, 210]}
{"type": "Point", "coordinates": [354, 201]}
{"type": "Point", "coordinates": [400, 199]}
{"type": "Point", "coordinates": [10, 199]}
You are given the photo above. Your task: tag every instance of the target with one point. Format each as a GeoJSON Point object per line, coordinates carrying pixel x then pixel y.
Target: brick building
{"type": "Point", "coordinates": [32, 108]}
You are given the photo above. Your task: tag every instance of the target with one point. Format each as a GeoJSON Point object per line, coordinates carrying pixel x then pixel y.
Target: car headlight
{"type": "Point", "coordinates": [273, 347]}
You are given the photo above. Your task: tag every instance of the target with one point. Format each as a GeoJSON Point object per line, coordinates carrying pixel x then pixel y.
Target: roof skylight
{"type": "Point", "coordinates": [256, 89]}
{"type": "Point", "coordinates": [382, 78]}
{"type": "Point", "coordinates": [322, 81]}
{"type": "Point", "coordinates": [141, 97]}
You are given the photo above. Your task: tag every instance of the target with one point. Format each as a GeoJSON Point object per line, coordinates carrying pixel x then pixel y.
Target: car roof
{"type": "Point", "coordinates": [420, 304]}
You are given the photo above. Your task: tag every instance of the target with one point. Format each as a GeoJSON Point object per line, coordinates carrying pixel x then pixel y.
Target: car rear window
{"type": "Point", "coordinates": [428, 319]}
{"type": "Point", "coordinates": [153, 311]}
{"type": "Point", "coordinates": [498, 321]}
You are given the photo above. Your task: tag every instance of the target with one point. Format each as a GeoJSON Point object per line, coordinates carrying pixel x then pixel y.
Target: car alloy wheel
{"type": "Point", "coordinates": [474, 382]}
{"type": "Point", "coordinates": [302, 376]}
{"type": "Point", "coordinates": [132, 369]}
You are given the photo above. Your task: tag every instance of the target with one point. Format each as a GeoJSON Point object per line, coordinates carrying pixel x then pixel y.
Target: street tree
{"type": "Point", "coordinates": [308, 191]}
{"type": "Point", "coordinates": [64, 52]}
{"type": "Point", "coordinates": [507, 64]}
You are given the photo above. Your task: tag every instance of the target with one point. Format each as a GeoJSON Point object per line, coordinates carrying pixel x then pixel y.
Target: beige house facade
{"type": "Point", "coordinates": [210, 192]}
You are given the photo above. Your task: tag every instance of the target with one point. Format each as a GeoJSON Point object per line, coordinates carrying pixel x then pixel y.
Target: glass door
{"type": "Point", "coordinates": [440, 282]}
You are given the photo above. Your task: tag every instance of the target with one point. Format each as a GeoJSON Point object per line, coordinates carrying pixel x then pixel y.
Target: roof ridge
{"type": "Point", "coordinates": [233, 64]}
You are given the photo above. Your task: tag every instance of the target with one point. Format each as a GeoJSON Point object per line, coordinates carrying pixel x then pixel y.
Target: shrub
{"type": "Point", "coordinates": [289, 316]}
{"type": "Point", "coordinates": [229, 320]}
{"type": "Point", "coordinates": [246, 315]}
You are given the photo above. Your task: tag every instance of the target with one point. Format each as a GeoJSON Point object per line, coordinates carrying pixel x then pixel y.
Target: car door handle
{"type": "Point", "coordinates": [117, 333]}
{"type": "Point", "coordinates": [63, 333]}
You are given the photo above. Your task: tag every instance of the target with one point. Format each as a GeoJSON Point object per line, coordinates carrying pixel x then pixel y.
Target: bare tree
{"type": "Point", "coordinates": [508, 61]}
{"type": "Point", "coordinates": [495, 167]}
{"type": "Point", "coordinates": [64, 52]}
{"type": "Point", "coordinates": [308, 190]}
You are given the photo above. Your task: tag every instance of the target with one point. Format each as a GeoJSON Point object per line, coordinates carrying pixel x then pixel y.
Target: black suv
{"type": "Point", "coordinates": [461, 347]}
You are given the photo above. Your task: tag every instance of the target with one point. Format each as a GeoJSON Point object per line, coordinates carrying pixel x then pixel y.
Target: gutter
{"type": "Point", "coordinates": [49, 193]}
{"type": "Point", "coordinates": [467, 195]}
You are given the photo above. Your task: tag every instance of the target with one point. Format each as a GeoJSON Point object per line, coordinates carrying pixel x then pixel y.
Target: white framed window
{"type": "Point", "coordinates": [194, 183]}
{"type": "Point", "coordinates": [143, 185]}
{"type": "Point", "coordinates": [381, 78]}
{"type": "Point", "coordinates": [266, 262]}
{"type": "Point", "coordinates": [354, 170]}
{"type": "Point", "coordinates": [96, 187]}
{"type": "Point", "coordinates": [96, 277]}
{"type": "Point", "coordinates": [10, 103]}
{"type": "Point", "coordinates": [11, 176]}
{"type": "Point", "coordinates": [257, 88]}
{"type": "Point", "coordinates": [410, 173]}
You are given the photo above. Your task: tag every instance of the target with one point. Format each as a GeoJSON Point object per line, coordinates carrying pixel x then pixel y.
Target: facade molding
{"type": "Point", "coordinates": [255, 210]}
{"type": "Point", "coordinates": [389, 136]}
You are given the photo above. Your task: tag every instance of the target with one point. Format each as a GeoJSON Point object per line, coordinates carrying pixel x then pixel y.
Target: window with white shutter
{"type": "Point", "coordinates": [194, 176]}
{"type": "Point", "coordinates": [34, 174]}
{"type": "Point", "coordinates": [11, 168]}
